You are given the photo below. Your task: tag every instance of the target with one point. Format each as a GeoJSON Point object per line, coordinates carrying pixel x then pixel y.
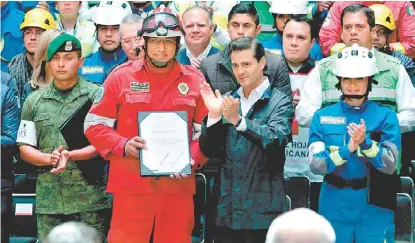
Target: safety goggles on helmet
{"type": "Point", "coordinates": [161, 24]}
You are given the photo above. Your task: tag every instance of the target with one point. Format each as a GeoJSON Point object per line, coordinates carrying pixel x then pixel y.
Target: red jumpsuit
{"type": "Point", "coordinates": [404, 33]}
{"type": "Point", "coordinates": [146, 204]}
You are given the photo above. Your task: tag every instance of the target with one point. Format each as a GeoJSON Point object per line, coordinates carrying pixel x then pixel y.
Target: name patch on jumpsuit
{"type": "Point", "coordinates": [140, 87]}
{"type": "Point", "coordinates": [92, 70]}
{"type": "Point", "coordinates": [334, 120]}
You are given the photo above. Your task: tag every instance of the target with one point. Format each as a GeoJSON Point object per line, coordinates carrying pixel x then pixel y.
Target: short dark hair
{"type": "Point", "coordinates": [244, 8]}
{"type": "Point", "coordinates": [246, 43]}
{"type": "Point", "coordinates": [207, 10]}
{"type": "Point", "coordinates": [301, 18]}
{"type": "Point", "coordinates": [355, 8]}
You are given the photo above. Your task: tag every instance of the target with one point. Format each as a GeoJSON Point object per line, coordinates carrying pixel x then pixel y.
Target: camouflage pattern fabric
{"type": "Point", "coordinates": [69, 192]}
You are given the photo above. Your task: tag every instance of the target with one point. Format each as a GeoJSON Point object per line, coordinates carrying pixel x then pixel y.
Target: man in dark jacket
{"type": "Point", "coordinates": [248, 129]}
{"type": "Point", "coordinates": [243, 20]}
{"type": "Point", "coordinates": [10, 117]}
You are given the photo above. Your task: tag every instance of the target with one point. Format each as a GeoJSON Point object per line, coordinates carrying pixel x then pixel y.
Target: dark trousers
{"type": "Point", "coordinates": [226, 235]}
{"type": "Point", "coordinates": [315, 188]}
{"type": "Point", "coordinates": [6, 216]}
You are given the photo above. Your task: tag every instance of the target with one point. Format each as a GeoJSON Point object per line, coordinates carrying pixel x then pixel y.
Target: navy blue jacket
{"type": "Point", "coordinates": [10, 117]}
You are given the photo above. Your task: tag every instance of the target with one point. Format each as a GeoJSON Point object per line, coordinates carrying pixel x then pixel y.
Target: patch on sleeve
{"type": "Point", "coordinates": [27, 133]}
{"type": "Point", "coordinates": [333, 120]}
{"type": "Point", "coordinates": [100, 95]}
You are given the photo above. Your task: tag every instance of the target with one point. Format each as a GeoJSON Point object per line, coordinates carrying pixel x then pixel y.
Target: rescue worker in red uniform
{"type": "Point", "coordinates": [145, 206]}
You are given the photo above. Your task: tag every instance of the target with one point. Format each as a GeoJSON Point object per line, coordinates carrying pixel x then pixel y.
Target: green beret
{"type": "Point", "coordinates": [63, 43]}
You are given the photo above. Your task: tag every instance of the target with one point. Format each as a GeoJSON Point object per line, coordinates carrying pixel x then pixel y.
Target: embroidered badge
{"type": "Point", "coordinates": [68, 46]}
{"type": "Point", "coordinates": [100, 95]}
{"type": "Point", "coordinates": [183, 88]}
{"type": "Point", "coordinates": [140, 87]}
{"type": "Point", "coordinates": [92, 70]}
{"type": "Point", "coordinates": [334, 120]}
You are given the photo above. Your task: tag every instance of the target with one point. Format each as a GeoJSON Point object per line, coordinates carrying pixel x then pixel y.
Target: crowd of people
{"type": "Point", "coordinates": [329, 96]}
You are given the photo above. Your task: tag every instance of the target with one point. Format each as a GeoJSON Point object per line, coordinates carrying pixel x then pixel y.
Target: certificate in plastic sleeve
{"type": "Point", "coordinates": [167, 139]}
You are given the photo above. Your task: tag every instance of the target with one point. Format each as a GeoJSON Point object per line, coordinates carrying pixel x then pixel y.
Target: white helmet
{"type": "Point", "coordinates": [355, 62]}
{"type": "Point", "coordinates": [111, 12]}
{"type": "Point", "coordinates": [288, 7]}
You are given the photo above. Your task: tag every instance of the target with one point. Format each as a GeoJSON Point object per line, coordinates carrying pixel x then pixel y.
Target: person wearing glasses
{"type": "Point", "coordinates": [35, 22]}
{"type": "Point", "coordinates": [161, 207]}
{"type": "Point", "coordinates": [107, 19]}
{"type": "Point", "coordinates": [394, 89]}
{"type": "Point", "coordinates": [130, 42]}
{"type": "Point", "coordinates": [385, 25]}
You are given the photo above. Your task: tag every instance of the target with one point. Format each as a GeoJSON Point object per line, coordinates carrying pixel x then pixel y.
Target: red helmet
{"type": "Point", "coordinates": [162, 23]}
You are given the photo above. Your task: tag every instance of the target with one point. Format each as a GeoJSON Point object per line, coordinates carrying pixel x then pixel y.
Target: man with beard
{"type": "Point", "coordinates": [107, 19]}
{"type": "Point", "coordinates": [35, 22]}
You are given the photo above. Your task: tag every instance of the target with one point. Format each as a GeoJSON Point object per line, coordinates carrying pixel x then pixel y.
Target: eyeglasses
{"type": "Point", "coordinates": [29, 32]}
{"type": "Point", "coordinates": [157, 41]}
{"type": "Point", "coordinates": [381, 32]}
{"type": "Point", "coordinates": [129, 41]}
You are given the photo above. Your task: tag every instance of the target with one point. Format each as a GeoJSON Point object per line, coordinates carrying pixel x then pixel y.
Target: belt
{"type": "Point", "coordinates": [341, 183]}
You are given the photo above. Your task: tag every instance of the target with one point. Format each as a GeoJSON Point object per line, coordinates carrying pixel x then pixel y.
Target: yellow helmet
{"type": "Point", "coordinates": [38, 17]}
{"type": "Point", "coordinates": [383, 16]}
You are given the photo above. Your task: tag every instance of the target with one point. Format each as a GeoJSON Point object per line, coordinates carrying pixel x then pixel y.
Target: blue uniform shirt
{"type": "Point", "coordinates": [275, 45]}
{"type": "Point", "coordinates": [97, 64]}
{"type": "Point", "coordinates": [329, 127]}
{"type": "Point", "coordinates": [11, 36]}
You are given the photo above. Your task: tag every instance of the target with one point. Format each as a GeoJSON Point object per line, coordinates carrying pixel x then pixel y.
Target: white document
{"type": "Point", "coordinates": [167, 137]}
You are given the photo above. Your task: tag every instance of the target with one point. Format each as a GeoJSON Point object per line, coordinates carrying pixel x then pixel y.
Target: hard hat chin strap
{"type": "Point", "coordinates": [158, 63]}
{"type": "Point", "coordinates": [357, 97]}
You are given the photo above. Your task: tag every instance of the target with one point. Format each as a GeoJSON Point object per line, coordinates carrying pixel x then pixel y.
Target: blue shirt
{"type": "Point", "coordinates": [182, 58]}
{"type": "Point", "coordinates": [12, 38]}
{"type": "Point", "coordinates": [97, 64]}
{"type": "Point", "coordinates": [275, 45]}
{"type": "Point", "coordinates": [329, 125]}
{"type": "Point", "coordinates": [25, 6]}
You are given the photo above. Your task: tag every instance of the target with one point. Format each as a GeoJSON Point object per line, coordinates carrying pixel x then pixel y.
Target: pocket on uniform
{"type": "Point", "coordinates": [335, 135]}
{"type": "Point", "coordinates": [187, 101]}
{"type": "Point", "coordinates": [134, 98]}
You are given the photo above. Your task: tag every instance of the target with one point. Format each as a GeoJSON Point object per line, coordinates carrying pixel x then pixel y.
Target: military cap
{"type": "Point", "coordinates": [63, 43]}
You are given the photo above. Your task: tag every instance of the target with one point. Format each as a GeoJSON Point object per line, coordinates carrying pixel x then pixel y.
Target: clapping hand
{"type": "Point", "coordinates": [63, 160]}
{"type": "Point", "coordinates": [357, 134]}
{"type": "Point", "coordinates": [213, 101]}
{"type": "Point", "coordinates": [230, 107]}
